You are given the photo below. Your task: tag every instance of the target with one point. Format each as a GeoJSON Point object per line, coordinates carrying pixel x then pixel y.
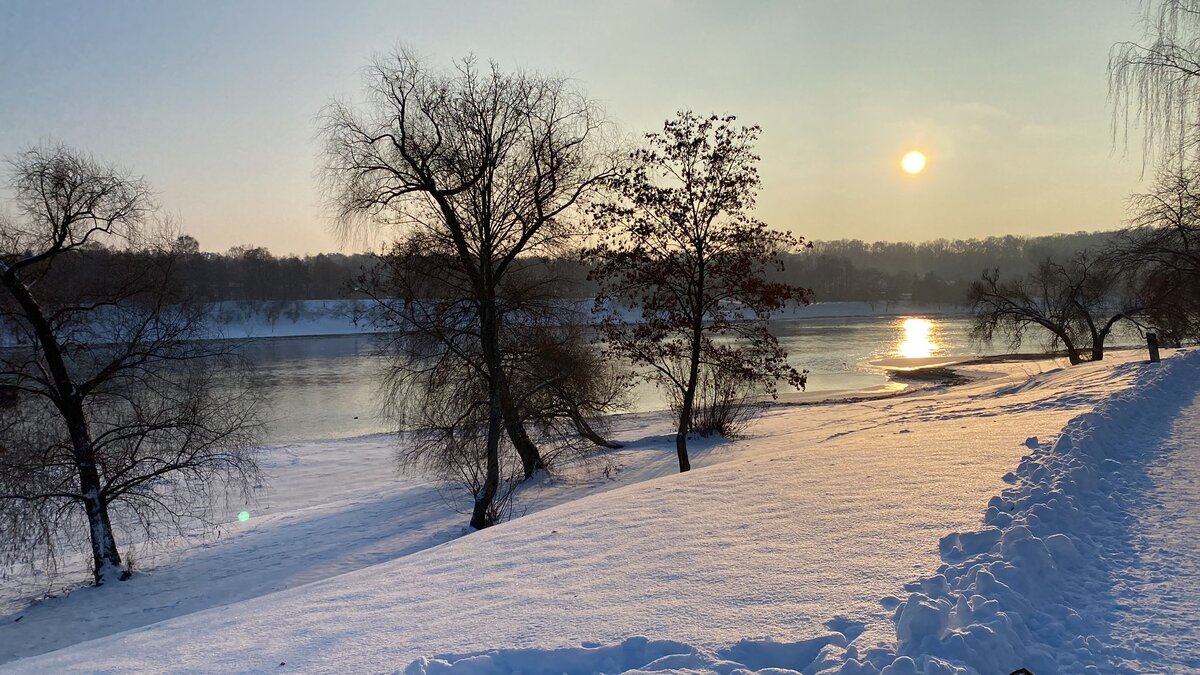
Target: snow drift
{"type": "Point", "coordinates": [1029, 589]}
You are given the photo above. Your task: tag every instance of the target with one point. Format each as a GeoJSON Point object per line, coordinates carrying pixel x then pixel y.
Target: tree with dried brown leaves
{"type": "Point", "coordinates": [680, 249]}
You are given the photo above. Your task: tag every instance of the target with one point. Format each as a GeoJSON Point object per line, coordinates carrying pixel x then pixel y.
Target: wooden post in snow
{"type": "Point", "coordinates": [1152, 345]}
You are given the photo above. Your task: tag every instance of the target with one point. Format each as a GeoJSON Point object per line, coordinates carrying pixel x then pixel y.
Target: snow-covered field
{"type": "Point", "coordinates": [904, 534]}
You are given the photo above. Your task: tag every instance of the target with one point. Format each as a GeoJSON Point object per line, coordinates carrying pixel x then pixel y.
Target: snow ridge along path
{"type": "Point", "coordinates": [1039, 586]}
{"type": "Point", "coordinates": [798, 531]}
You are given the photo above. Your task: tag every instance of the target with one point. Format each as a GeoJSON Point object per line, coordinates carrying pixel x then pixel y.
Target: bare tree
{"type": "Point", "coordinates": [119, 414]}
{"type": "Point", "coordinates": [679, 245]}
{"type": "Point", "coordinates": [1078, 303]}
{"type": "Point", "coordinates": [1156, 82]}
{"type": "Point", "coordinates": [560, 388]}
{"type": "Point", "coordinates": [1162, 247]}
{"type": "Point", "coordinates": [478, 168]}
{"type": "Point", "coordinates": [441, 405]}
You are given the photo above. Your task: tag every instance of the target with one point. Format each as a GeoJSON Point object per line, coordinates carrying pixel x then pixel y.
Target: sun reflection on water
{"type": "Point", "coordinates": [919, 339]}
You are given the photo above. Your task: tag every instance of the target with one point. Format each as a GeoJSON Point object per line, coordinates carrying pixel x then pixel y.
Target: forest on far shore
{"type": "Point", "coordinates": [937, 271]}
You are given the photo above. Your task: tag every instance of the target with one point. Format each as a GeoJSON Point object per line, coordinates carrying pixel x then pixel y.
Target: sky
{"type": "Point", "coordinates": [215, 102]}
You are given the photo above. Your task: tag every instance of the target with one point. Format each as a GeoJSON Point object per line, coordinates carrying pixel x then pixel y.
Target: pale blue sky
{"type": "Point", "coordinates": [214, 102]}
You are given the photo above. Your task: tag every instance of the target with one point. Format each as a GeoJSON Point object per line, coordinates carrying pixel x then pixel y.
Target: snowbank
{"type": "Point", "coordinates": [295, 318]}
{"type": "Point", "coordinates": [1029, 590]}
{"type": "Point", "coordinates": [640, 655]}
{"type": "Point", "coordinates": [828, 310]}
{"type": "Point", "coordinates": [311, 318]}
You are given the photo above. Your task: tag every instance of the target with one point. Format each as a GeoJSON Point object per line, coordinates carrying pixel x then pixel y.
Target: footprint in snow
{"type": "Point", "coordinates": [846, 626]}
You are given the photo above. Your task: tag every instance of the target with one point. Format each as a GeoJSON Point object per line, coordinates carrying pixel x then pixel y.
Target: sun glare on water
{"type": "Point", "coordinates": [913, 162]}
{"type": "Point", "coordinates": [918, 341]}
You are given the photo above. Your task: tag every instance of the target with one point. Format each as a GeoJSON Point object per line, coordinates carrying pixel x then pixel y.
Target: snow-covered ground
{"type": "Point", "coordinates": [822, 540]}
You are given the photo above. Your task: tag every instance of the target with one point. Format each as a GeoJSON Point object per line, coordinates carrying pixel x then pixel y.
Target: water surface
{"type": "Point", "coordinates": [328, 387]}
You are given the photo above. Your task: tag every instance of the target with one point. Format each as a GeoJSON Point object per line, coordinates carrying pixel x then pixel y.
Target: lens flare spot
{"type": "Point", "coordinates": [244, 516]}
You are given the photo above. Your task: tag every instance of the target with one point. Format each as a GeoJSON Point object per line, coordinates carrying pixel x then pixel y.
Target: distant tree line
{"type": "Point", "coordinates": [933, 272]}
{"type": "Point", "coordinates": [252, 273]}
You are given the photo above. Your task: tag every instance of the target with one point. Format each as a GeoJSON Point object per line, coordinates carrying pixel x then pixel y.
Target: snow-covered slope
{"type": "Point", "coordinates": [805, 533]}
{"type": "Point", "coordinates": [1081, 539]}
{"type": "Point", "coordinates": [1088, 564]}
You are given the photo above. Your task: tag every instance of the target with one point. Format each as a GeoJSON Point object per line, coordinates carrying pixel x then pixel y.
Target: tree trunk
{"type": "Point", "coordinates": [689, 401]}
{"type": "Point", "coordinates": [1100, 337]}
{"type": "Point", "coordinates": [1072, 351]}
{"type": "Point", "coordinates": [588, 432]}
{"type": "Point", "coordinates": [481, 515]}
{"type": "Point", "coordinates": [681, 441]}
{"type": "Point", "coordinates": [531, 458]}
{"type": "Point", "coordinates": [1097, 337]}
{"type": "Point", "coordinates": [106, 559]}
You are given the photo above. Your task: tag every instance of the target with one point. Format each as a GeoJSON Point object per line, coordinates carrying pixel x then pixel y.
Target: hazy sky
{"type": "Point", "coordinates": [214, 102]}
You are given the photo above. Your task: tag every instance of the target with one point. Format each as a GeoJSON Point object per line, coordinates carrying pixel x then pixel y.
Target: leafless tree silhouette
{"type": "Point", "coordinates": [1162, 246]}
{"type": "Point", "coordinates": [1077, 303]}
{"type": "Point", "coordinates": [478, 168]}
{"type": "Point", "coordinates": [114, 412]}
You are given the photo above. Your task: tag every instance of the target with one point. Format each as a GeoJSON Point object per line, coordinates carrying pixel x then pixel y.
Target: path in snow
{"type": "Point", "coordinates": [799, 529]}
{"type": "Point", "coordinates": [1157, 624]}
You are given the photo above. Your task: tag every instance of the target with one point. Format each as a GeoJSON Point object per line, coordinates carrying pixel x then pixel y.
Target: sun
{"type": "Point", "coordinates": [913, 162]}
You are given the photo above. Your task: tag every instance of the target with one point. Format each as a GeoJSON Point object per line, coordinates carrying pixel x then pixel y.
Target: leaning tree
{"type": "Point", "coordinates": [678, 247]}
{"type": "Point", "coordinates": [114, 414]}
{"type": "Point", "coordinates": [1075, 304]}
{"type": "Point", "coordinates": [477, 169]}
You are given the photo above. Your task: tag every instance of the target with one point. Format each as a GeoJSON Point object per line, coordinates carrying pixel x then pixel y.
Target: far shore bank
{"type": "Point", "coordinates": [315, 318]}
